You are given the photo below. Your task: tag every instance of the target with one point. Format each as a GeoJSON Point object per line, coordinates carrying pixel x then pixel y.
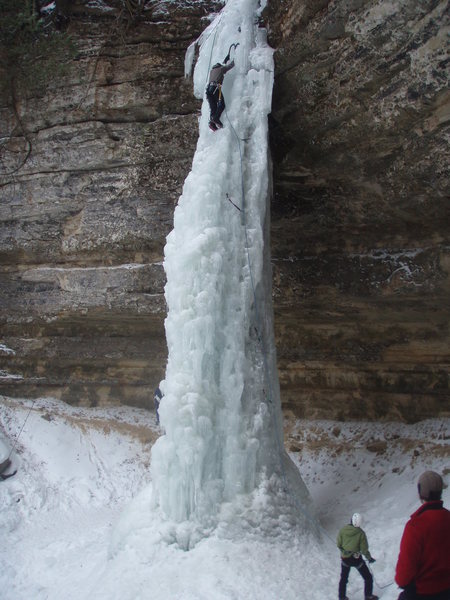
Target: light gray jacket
{"type": "Point", "coordinates": [218, 72]}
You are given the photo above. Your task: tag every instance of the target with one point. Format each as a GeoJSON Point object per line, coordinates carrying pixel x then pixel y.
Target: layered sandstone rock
{"type": "Point", "coordinates": [84, 221]}
{"type": "Point", "coordinates": [360, 223]}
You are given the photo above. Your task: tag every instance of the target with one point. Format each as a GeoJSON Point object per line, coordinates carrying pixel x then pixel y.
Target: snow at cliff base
{"type": "Point", "coordinates": [79, 468]}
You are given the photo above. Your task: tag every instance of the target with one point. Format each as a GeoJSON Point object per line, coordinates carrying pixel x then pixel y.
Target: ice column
{"type": "Point", "coordinates": [221, 408]}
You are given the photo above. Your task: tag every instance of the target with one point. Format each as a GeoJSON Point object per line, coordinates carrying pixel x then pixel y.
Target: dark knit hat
{"type": "Point", "coordinates": [430, 485]}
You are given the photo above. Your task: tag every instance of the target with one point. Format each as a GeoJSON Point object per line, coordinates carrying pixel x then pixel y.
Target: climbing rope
{"type": "Point", "coordinates": [281, 449]}
{"type": "Point", "coordinates": [247, 245]}
{"type": "Point", "coordinates": [278, 426]}
{"type": "Point", "coordinates": [22, 428]}
{"type": "Point", "coordinates": [212, 47]}
{"type": "Point", "coordinates": [261, 338]}
{"type": "Point", "coordinates": [382, 587]}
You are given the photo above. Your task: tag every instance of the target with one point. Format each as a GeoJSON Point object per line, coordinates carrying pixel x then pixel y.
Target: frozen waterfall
{"type": "Point", "coordinates": [220, 464]}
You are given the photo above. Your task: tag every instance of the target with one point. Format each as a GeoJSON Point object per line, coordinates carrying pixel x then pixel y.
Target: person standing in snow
{"type": "Point", "coordinates": [157, 399]}
{"type": "Point", "coordinates": [423, 566]}
{"type": "Point", "coordinates": [352, 542]}
{"type": "Point", "coordinates": [214, 93]}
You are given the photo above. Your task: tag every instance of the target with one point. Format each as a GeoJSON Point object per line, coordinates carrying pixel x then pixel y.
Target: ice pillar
{"type": "Point", "coordinates": [221, 407]}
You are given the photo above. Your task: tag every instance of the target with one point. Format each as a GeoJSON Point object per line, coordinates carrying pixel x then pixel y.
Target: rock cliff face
{"type": "Point", "coordinates": [360, 211]}
{"type": "Point", "coordinates": [84, 221]}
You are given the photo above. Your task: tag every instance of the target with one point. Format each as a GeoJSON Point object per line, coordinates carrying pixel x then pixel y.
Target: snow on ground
{"type": "Point", "coordinates": [79, 469]}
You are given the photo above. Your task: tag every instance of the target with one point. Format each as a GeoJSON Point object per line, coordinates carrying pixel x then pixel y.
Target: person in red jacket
{"type": "Point", "coordinates": [423, 566]}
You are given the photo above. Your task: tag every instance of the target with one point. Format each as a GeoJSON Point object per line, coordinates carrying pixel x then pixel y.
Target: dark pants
{"type": "Point", "coordinates": [216, 101]}
{"type": "Point", "coordinates": [156, 400]}
{"type": "Point", "coordinates": [358, 563]}
{"type": "Point", "coordinates": [411, 594]}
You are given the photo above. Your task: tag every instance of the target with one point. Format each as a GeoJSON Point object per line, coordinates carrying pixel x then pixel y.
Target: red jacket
{"type": "Point", "coordinates": [424, 557]}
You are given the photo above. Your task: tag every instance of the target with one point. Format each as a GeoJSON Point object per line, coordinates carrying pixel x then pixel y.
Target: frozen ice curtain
{"type": "Point", "coordinates": [220, 465]}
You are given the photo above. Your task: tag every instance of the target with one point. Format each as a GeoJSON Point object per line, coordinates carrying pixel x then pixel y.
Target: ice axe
{"type": "Point", "coordinates": [227, 57]}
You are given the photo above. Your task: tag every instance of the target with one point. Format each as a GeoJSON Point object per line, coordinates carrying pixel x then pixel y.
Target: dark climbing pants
{"type": "Point", "coordinates": [358, 563]}
{"type": "Point", "coordinates": [216, 101]}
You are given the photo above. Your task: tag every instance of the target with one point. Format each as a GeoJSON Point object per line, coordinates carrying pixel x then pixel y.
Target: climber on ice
{"type": "Point", "coordinates": [5, 461]}
{"type": "Point", "coordinates": [214, 94]}
{"type": "Point", "coordinates": [214, 90]}
{"type": "Point", "coordinates": [4, 466]}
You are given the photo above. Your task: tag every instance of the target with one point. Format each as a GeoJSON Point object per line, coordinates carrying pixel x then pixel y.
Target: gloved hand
{"type": "Point", "coordinates": [371, 560]}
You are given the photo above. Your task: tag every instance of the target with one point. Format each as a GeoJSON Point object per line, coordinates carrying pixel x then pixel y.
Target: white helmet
{"type": "Point", "coordinates": [356, 520]}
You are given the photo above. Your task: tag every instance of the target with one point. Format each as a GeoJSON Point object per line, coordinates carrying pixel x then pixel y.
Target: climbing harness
{"type": "Point", "coordinates": [212, 87]}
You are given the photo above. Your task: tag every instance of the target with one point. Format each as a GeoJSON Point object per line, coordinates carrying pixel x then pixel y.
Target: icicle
{"type": "Point", "coordinates": [189, 60]}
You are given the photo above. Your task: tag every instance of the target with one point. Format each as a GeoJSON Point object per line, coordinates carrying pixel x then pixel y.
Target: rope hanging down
{"type": "Point", "coordinates": [20, 432]}
{"type": "Point", "coordinates": [308, 516]}
{"type": "Point", "coordinates": [261, 340]}
{"type": "Point", "coordinates": [7, 463]}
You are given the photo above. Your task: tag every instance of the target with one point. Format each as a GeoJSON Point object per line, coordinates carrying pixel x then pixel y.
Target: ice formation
{"type": "Point", "coordinates": [220, 464]}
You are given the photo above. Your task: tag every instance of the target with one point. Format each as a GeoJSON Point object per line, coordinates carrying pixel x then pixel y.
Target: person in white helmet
{"type": "Point", "coordinates": [352, 542]}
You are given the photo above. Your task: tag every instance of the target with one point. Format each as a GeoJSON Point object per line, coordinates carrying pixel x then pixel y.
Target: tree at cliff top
{"type": "Point", "coordinates": [33, 52]}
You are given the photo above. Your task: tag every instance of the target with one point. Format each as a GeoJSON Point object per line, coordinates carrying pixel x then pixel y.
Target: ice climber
{"type": "Point", "coordinates": [157, 401]}
{"type": "Point", "coordinates": [214, 94]}
{"type": "Point", "coordinates": [352, 542]}
{"type": "Point", "coordinates": [423, 566]}
{"type": "Point", "coordinates": [4, 466]}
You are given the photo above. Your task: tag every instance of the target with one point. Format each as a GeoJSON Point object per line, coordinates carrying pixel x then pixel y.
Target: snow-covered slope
{"type": "Point", "coordinates": [79, 468]}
